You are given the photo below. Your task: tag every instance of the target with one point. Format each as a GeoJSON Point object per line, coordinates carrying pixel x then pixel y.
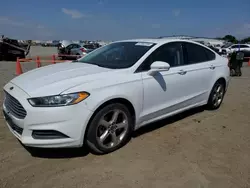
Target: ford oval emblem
{"type": "Point", "coordinates": [11, 88]}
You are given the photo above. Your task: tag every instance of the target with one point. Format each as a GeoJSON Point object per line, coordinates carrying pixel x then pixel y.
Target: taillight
{"type": "Point", "coordinates": [82, 49]}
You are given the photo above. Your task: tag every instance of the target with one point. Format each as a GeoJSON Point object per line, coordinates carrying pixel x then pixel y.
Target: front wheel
{"type": "Point", "coordinates": [216, 96]}
{"type": "Point", "coordinates": [110, 129]}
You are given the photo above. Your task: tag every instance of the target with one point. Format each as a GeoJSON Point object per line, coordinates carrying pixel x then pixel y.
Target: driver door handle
{"type": "Point", "coordinates": [182, 72]}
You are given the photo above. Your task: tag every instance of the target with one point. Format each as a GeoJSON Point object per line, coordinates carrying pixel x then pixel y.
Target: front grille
{"type": "Point", "coordinates": [13, 126]}
{"type": "Point", "coordinates": [14, 106]}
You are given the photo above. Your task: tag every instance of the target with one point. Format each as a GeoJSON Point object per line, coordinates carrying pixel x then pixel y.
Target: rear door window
{"type": "Point", "coordinates": [210, 55]}
{"type": "Point", "coordinates": [195, 53]}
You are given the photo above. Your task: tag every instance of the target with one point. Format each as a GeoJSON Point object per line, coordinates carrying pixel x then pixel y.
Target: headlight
{"type": "Point", "coordinates": [58, 100]}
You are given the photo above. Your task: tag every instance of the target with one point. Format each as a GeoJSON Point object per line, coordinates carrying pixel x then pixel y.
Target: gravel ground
{"type": "Point", "coordinates": [197, 149]}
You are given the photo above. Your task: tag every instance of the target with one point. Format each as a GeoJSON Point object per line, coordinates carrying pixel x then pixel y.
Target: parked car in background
{"type": "Point", "coordinates": [235, 47]}
{"type": "Point", "coordinates": [100, 99]}
{"type": "Point", "coordinates": [66, 49]}
{"type": "Point", "coordinates": [89, 47]}
{"type": "Point", "coordinates": [11, 49]}
{"type": "Point", "coordinates": [215, 49]}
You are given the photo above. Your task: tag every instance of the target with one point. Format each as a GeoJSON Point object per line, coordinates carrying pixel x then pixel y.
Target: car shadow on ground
{"type": "Point", "coordinates": [57, 153]}
{"type": "Point", "coordinates": [82, 152]}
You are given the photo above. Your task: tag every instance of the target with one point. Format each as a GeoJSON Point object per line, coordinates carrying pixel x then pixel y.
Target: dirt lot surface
{"type": "Point", "coordinates": [197, 149]}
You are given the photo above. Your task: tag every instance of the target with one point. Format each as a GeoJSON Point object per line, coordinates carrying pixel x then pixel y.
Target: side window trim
{"type": "Point", "coordinates": [138, 70]}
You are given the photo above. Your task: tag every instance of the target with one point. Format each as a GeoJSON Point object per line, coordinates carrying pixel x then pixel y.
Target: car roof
{"type": "Point", "coordinates": [159, 40]}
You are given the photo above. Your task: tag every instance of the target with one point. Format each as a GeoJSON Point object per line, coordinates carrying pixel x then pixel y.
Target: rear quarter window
{"type": "Point", "coordinates": [210, 55]}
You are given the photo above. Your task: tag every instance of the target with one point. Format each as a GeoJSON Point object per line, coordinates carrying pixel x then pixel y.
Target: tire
{"type": "Point", "coordinates": [216, 95]}
{"type": "Point", "coordinates": [109, 129]}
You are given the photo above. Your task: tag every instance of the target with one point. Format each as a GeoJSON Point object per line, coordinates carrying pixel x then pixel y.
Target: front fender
{"type": "Point", "coordinates": [131, 90]}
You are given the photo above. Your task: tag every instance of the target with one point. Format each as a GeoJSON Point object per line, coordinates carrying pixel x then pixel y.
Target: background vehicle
{"type": "Point", "coordinates": [89, 47]}
{"type": "Point", "coordinates": [10, 49]}
{"type": "Point", "coordinates": [215, 49]}
{"type": "Point", "coordinates": [66, 49]}
{"type": "Point", "coordinates": [235, 47]}
{"type": "Point", "coordinates": [100, 99]}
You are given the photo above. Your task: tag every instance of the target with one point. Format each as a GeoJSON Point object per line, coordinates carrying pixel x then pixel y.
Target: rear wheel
{"type": "Point", "coordinates": [216, 96]}
{"type": "Point", "coordinates": [110, 129]}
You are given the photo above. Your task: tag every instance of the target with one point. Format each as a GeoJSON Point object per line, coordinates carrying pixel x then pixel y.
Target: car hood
{"type": "Point", "coordinates": [54, 79]}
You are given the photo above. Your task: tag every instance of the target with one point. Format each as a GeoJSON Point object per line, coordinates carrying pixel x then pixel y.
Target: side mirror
{"type": "Point", "coordinates": [158, 66]}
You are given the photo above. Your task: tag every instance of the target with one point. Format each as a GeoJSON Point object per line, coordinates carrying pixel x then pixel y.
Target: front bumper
{"type": "Point", "coordinates": [68, 124]}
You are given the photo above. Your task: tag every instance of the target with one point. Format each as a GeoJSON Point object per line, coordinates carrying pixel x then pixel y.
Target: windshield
{"type": "Point", "coordinates": [117, 55]}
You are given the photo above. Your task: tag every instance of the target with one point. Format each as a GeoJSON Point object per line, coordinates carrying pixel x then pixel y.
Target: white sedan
{"type": "Point", "coordinates": [100, 99]}
{"type": "Point", "coordinates": [234, 48]}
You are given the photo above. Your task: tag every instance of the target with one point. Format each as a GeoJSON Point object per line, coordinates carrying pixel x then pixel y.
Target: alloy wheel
{"type": "Point", "coordinates": [218, 95]}
{"type": "Point", "coordinates": [112, 128]}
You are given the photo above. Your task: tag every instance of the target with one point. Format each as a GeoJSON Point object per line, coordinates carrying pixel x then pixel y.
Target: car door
{"type": "Point", "coordinates": [164, 92]}
{"type": "Point", "coordinates": [200, 64]}
{"type": "Point", "coordinates": [185, 85]}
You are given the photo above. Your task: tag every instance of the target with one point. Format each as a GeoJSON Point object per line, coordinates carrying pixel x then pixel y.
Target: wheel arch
{"type": "Point", "coordinates": [220, 79]}
{"type": "Point", "coordinates": [223, 80]}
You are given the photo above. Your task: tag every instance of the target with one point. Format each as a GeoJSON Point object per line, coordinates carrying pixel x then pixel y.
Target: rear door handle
{"type": "Point", "coordinates": [182, 72]}
{"type": "Point", "coordinates": [212, 67]}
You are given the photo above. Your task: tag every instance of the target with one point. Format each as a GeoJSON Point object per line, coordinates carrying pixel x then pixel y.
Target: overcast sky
{"type": "Point", "coordinates": [115, 20]}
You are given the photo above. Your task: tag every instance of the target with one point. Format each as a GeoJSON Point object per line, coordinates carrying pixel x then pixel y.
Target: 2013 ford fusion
{"type": "Point", "coordinates": [100, 99]}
